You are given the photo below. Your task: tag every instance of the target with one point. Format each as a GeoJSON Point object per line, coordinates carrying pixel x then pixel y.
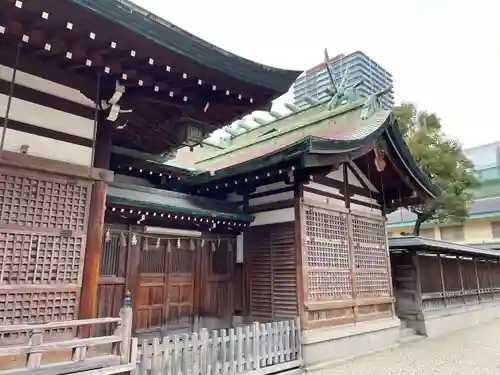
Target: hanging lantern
{"type": "Point", "coordinates": [169, 246]}
{"type": "Point", "coordinates": [134, 240]}
{"type": "Point", "coordinates": [123, 240]}
{"type": "Point", "coordinates": [107, 236]}
{"type": "Point", "coordinates": [158, 243]}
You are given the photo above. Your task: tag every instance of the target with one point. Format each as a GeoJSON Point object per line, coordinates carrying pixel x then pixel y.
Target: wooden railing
{"type": "Point", "coordinates": [121, 348]}
{"type": "Point", "coordinates": [253, 349]}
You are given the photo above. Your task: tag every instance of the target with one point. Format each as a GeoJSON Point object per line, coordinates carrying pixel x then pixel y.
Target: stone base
{"type": "Point", "coordinates": [436, 323]}
{"type": "Point", "coordinates": [323, 347]}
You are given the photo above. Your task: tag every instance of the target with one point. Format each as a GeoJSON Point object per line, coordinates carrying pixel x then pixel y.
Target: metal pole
{"type": "Point", "coordinates": [96, 118]}
{"type": "Point", "coordinates": [9, 101]}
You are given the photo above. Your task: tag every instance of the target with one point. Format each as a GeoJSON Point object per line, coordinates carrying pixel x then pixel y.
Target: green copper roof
{"type": "Point", "coordinates": [164, 200]}
{"type": "Point", "coordinates": [167, 35]}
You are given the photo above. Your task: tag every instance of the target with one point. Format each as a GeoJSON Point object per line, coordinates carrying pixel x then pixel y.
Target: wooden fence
{"type": "Point", "coordinates": [121, 356]}
{"type": "Point", "coordinates": [253, 349]}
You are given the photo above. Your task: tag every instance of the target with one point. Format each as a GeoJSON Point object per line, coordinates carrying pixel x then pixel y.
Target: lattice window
{"type": "Point", "coordinates": [27, 258]}
{"type": "Point", "coordinates": [369, 243]}
{"type": "Point", "coordinates": [36, 307]}
{"type": "Point", "coordinates": [38, 203]}
{"type": "Point", "coordinates": [372, 284]}
{"type": "Point", "coordinates": [326, 238]}
{"type": "Point", "coordinates": [329, 285]}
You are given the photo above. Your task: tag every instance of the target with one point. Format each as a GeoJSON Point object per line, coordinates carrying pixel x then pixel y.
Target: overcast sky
{"type": "Point", "coordinates": [444, 54]}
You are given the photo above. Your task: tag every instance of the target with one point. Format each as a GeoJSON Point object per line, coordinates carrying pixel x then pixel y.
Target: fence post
{"type": "Point", "coordinates": [33, 360]}
{"type": "Point", "coordinates": [126, 331]}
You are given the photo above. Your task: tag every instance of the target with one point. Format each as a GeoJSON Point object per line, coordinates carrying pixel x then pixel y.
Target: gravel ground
{"type": "Point", "coordinates": [474, 351]}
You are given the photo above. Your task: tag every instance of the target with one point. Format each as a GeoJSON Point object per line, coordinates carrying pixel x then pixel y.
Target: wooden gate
{"type": "Point", "coordinates": [43, 230]}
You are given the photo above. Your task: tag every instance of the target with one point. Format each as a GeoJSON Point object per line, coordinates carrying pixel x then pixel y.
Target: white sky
{"type": "Point", "coordinates": [444, 54]}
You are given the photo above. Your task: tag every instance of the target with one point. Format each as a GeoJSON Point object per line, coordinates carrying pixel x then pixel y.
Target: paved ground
{"type": "Point", "coordinates": [472, 352]}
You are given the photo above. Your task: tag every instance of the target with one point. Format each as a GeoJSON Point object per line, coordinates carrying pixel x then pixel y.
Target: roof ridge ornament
{"type": "Point", "coordinates": [343, 93]}
{"type": "Point", "coordinates": [372, 103]}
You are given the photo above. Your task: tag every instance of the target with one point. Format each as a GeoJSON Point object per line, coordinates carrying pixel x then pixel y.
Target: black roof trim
{"type": "Point", "coordinates": [169, 36]}
{"type": "Point", "coordinates": [399, 145]}
{"type": "Point", "coordinates": [438, 246]}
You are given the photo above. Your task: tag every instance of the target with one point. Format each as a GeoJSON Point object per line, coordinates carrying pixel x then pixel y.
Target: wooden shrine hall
{"type": "Point", "coordinates": [87, 88]}
{"type": "Point", "coordinates": [132, 159]}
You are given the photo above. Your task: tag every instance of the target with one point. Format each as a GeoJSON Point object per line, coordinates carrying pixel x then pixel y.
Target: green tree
{"type": "Point", "coordinates": [444, 162]}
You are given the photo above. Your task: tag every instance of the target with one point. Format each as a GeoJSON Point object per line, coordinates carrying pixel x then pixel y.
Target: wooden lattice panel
{"type": "Point", "coordinates": [368, 237]}
{"type": "Point", "coordinates": [372, 283]}
{"type": "Point", "coordinates": [43, 203]}
{"type": "Point", "coordinates": [327, 243]}
{"type": "Point", "coordinates": [36, 307]}
{"type": "Point", "coordinates": [326, 238]}
{"type": "Point", "coordinates": [329, 285]}
{"type": "Point", "coordinates": [40, 258]}
{"type": "Point", "coordinates": [370, 257]}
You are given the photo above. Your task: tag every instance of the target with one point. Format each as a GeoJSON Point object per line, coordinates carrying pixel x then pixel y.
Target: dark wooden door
{"type": "Point", "coordinates": [165, 295]}
{"type": "Point", "coordinates": [151, 290]}
{"type": "Point", "coordinates": [216, 286]}
{"type": "Point", "coordinates": [181, 282]}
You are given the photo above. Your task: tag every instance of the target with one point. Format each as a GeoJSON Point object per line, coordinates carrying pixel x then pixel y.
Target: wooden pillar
{"type": "Point", "coordinates": [418, 280]}
{"type": "Point", "coordinates": [88, 296]}
{"type": "Point", "coordinates": [461, 276]}
{"type": "Point", "coordinates": [477, 280]}
{"type": "Point", "coordinates": [441, 273]}
{"type": "Point", "coordinates": [301, 256]}
{"type": "Point", "coordinates": [103, 144]}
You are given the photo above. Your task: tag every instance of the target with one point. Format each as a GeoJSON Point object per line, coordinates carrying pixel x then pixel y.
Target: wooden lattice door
{"type": "Point", "coordinates": [43, 230]}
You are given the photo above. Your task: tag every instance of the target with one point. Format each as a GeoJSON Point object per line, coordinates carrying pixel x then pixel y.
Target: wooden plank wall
{"type": "Point", "coordinates": [270, 254]}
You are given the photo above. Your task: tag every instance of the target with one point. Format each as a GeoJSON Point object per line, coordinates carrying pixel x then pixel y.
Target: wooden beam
{"type": "Point", "coordinates": [88, 296]}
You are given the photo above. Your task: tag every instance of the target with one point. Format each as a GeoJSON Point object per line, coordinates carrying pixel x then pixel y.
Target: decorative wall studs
{"type": "Point", "coordinates": [69, 26]}
{"type": "Point", "coordinates": [19, 4]}
{"type": "Point", "coordinates": [107, 69]}
{"type": "Point", "coordinates": [2, 30]}
{"type": "Point", "coordinates": [132, 53]}
{"type": "Point", "coordinates": [151, 61]}
{"type": "Point", "coordinates": [113, 45]}
{"type": "Point", "coordinates": [184, 75]}
{"type": "Point", "coordinates": [25, 38]}
{"type": "Point", "coordinates": [47, 47]}
{"type": "Point", "coordinates": [45, 15]}
{"type": "Point", "coordinates": [167, 68]}
{"type": "Point", "coordinates": [92, 35]}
